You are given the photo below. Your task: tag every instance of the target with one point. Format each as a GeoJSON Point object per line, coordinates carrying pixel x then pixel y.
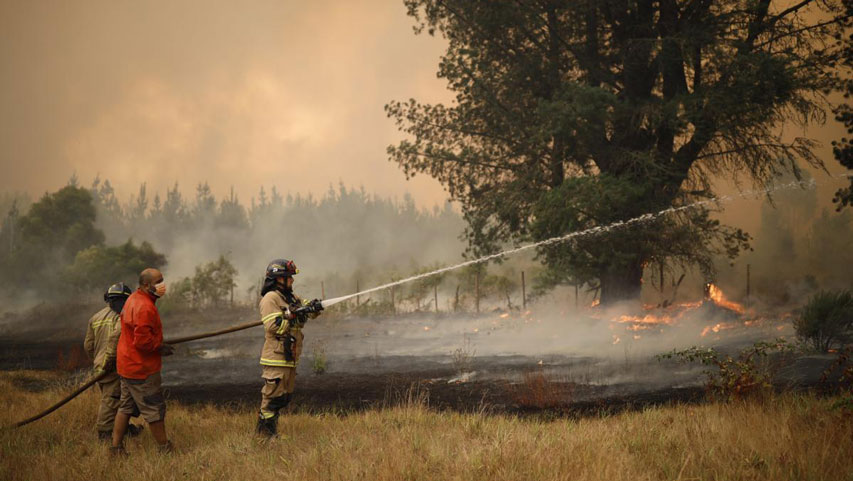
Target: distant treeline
{"type": "Point", "coordinates": [346, 232]}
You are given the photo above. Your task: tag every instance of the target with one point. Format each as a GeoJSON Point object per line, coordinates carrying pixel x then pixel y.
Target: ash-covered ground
{"type": "Point", "coordinates": [504, 361]}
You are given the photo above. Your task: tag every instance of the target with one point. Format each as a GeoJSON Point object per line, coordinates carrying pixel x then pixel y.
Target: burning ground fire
{"type": "Point", "coordinates": [714, 317]}
{"type": "Point", "coordinates": [716, 295]}
{"type": "Point", "coordinates": [726, 314]}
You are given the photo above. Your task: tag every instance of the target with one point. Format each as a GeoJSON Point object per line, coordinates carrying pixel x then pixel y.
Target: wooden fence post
{"type": "Point", "coordinates": [456, 300]}
{"type": "Point", "coordinates": [477, 291]}
{"type": "Point", "coordinates": [576, 297]}
{"type": "Point", "coordinates": [435, 296]}
{"type": "Point", "coordinates": [747, 285]}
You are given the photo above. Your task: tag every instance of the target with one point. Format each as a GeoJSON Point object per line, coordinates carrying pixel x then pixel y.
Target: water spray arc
{"type": "Point", "coordinates": [810, 184]}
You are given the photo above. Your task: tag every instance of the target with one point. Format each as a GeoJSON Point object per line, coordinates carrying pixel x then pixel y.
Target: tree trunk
{"type": "Point", "coordinates": [621, 282]}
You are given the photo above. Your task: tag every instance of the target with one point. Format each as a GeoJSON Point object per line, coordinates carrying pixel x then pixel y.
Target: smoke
{"type": "Point", "coordinates": [799, 186]}
{"type": "Point", "coordinates": [344, 237]}
{"type": "Point", "coordinates": [276, 92]}
{"type": "Point", "coordinates": [800, 245]}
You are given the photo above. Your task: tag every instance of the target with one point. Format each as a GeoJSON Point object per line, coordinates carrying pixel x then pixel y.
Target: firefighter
{"type": "Point", "coordinates": [101, 340]}
{"type": "Point", "coordinates": [283, 314]}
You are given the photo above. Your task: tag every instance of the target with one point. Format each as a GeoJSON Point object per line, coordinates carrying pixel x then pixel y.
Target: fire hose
{"type": "Point", "coordinates": [554, 240]}
{"type": "Point", "coordinates": [102, 375]}
{"type": "Point", "coordinates": [301, 312]}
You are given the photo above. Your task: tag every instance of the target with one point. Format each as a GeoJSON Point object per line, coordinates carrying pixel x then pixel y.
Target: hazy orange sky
{"type": "Point", "coordinates": [245, 94]}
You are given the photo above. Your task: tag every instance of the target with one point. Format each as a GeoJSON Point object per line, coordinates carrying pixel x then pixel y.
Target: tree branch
{"type": "Point", "coordinates": [448, 158]}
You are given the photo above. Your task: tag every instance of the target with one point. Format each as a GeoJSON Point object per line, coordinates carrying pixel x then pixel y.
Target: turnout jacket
{"type": "Point", "coordinates": [138, 353]}
{"type": "Point", "coordinates": [102, 336]}
{"type": "Point", "coordinates": [283, 337]}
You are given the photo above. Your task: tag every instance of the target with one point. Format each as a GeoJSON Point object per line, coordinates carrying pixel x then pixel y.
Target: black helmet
{"type": "Point", "coordinates": [117, 291]}
{"type": "Point", "coordinates": [281, 268]}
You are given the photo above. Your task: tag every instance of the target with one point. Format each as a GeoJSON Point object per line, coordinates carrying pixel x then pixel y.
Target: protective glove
{"type": "Point", "coordinates": [167, 350]}
{"type": "Point", "coordinates": [109, 365]}
{"type": "Point", "coordinates": [317, 305]}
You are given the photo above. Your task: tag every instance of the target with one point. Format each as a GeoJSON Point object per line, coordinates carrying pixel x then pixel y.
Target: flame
{"type": "Point", "coordinates": [595, 303]}
{"type": "Point", "coordinates": [654, 318]}
{"type": "Point", "coordinates": [718, 327]}
{"type": "Point", "coordinates": [426, 328]}
{"type": "Point", "coordinates": [504, 315]}
{"type": "Point", "coordinates": [648, 319]}
{"type": "Point", "coordinates": [716, 295]}
{"type": "Point", "coordinates": [644, 323]}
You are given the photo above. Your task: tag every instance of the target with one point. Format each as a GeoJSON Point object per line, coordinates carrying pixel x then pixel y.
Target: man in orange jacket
{"type": "Point", "coordinates": [138, 361]}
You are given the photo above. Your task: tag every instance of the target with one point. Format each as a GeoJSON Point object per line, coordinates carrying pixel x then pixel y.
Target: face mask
{"type": "Point", "coordinates": [159, 289]}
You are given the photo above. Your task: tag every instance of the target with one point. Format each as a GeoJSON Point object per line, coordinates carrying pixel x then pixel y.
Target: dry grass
{"type": "Point", "coordinates": [796, 437]}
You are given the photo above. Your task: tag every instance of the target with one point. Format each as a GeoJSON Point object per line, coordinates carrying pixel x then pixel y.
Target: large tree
{"type": "Point", "coordinates": [842, 149]}
{"type": "Point", "coordinates": [570, 115]}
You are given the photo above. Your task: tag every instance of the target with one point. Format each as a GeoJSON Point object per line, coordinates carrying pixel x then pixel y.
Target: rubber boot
{"type": "Point", "coordinates": [268, 427]}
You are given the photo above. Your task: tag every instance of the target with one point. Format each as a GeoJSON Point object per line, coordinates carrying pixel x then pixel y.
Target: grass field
{"type": "Point", "coordinates": [796, 437]}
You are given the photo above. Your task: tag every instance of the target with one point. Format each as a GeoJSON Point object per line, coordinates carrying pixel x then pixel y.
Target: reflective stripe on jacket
{"type": "Point", "coordinates": [282, 340]}
{"type": "Point", "coordinates": [102, 336]}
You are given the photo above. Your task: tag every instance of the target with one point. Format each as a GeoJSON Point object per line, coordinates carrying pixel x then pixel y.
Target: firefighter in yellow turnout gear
{"type": "Point", "coordinates": [100, 344]}
{"type": "Point", "coordinates": [283, 314]}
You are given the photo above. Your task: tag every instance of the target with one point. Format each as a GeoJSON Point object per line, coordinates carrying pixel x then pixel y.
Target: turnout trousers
{"type": "Point", "coordinates": [278, 388]}
{"type": "Point", "coordinates": [110, 397]}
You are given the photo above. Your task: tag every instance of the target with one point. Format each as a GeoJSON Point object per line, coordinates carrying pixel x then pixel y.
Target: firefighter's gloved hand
{"type": "Point", "coordinates": [316, 305]}
{"type": "Point", "coordinates": [167, 350]}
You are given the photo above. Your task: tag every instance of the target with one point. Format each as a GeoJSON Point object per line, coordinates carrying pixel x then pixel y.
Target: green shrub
{"type": "Point", "coordinates": [735, 377]}
{"type": "Point", "coordinates": [826, 320]}
{"type": "Point", "coordinates": [99, 266]}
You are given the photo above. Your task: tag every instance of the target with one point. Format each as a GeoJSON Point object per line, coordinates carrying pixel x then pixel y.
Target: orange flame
{"type": "Point", "coordinates": [719, 299]}
{"type": "Point", "coordinates": [718, 327]}
{"type": "Point", "coordinates": [648, 319]}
